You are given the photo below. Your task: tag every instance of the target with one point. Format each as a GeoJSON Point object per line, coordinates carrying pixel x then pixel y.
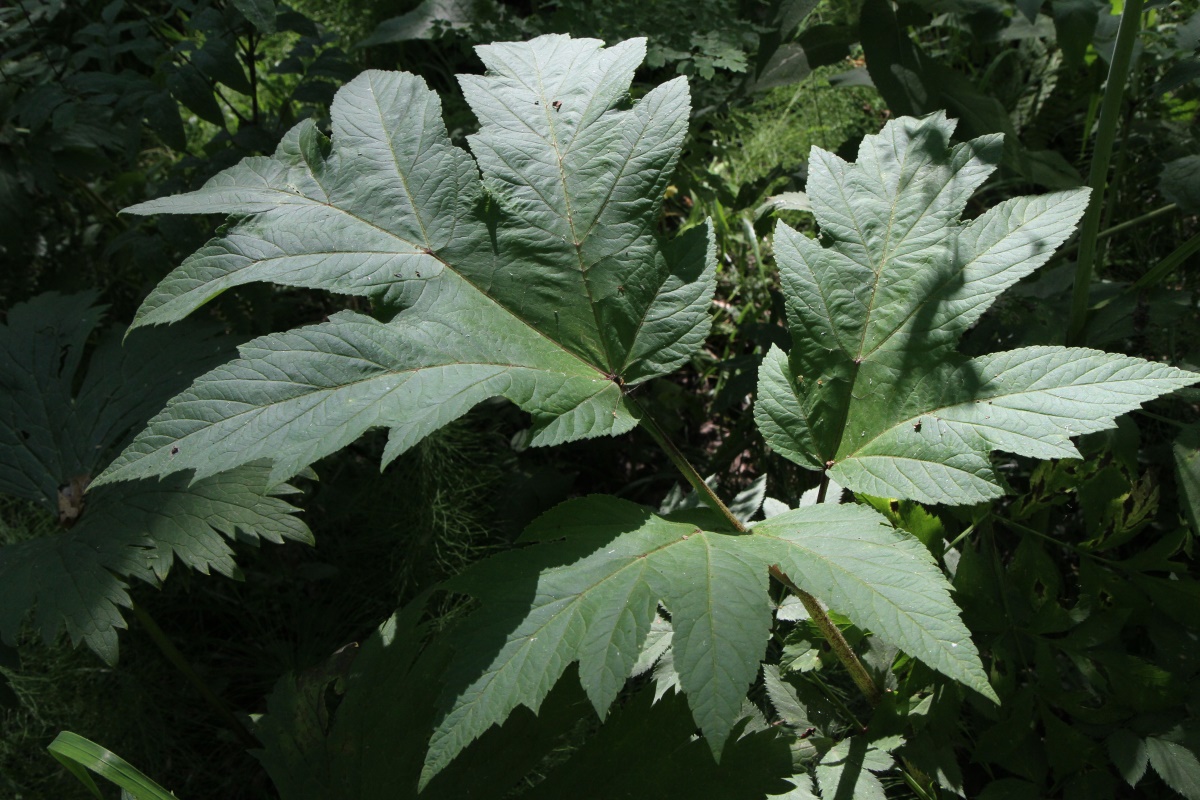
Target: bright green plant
{"type": "Point", "coordinates": [547, 283]}
{"type": "Point", "coordinates": [79, 755]}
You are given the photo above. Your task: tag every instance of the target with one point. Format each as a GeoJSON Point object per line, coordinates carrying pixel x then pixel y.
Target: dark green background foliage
{"type": "Point", "coordinates": [1075, 575]}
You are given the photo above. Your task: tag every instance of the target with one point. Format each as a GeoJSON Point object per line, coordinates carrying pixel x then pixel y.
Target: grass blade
{"type": "Point", "coordinates": [79, 755]}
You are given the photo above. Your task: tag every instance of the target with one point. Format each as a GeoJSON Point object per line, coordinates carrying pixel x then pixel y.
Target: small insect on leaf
{"type": "Point", "coordinates": [917, 426]}
{"type": "Point", "coordinates": [557, 105]}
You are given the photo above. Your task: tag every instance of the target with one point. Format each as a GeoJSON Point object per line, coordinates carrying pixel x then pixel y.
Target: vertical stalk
{"type": "Point", "coordinates": [1114, 91]}
{"type": "Point", "coordinates": [833, 635]}
{"type": "Point", "coordinates": [684, 466]}
{"type": "Point", "coordinates": [172, 654]}
{"type": "Point", "coordinates": [823, 489]}
{"type": "Point", "coordinates": [252, 66]}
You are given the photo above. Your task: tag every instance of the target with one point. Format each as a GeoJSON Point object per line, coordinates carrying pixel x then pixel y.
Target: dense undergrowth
{"type": "Point", "coordinates": [1077, 586]}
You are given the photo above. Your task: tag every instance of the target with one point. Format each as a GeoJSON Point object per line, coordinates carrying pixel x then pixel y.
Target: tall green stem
{"type": "Point", "coordinates": [1114, 91]}
{"type": "Point", "coordinates": [841, 648]}
{"type": "Point", "coordinates": [172, 654]}
{"type": "Point", "coordinates": [684, 466]}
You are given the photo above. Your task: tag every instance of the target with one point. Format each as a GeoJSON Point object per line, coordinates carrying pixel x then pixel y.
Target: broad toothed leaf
{"type": "Point", "coordinates": [544, 281]}
{"type": "Point", "coordinates": [75, 579]}
{"type": "Point", "coordinates": [589, 593]}
{"type": "Point", "coordinates": [54, 437]}
{"type": "Point", "coordinates": [872, 389]}
{"type": "Point", "coordinates": [592, 598]}
{"type": "Point", "coordinates": [883, 579]}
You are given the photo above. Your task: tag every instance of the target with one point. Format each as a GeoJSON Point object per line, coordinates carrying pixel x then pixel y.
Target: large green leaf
{"type": "Point", "coordinates": [58, 427]}
{"type": "Point", "coordinates": [589, 593]}
{"type": "Point", "coordinates": [545, 282]}
{"type": "Point", "coordinates": [872, 389]}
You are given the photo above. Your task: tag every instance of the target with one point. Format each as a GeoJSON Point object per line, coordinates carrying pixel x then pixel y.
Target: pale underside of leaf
{"type": "Point", "coordinates": [871, 389]}
{"type": "Point", "coordinates": [298, 396]}
{"type": "Point", "coordinates": [544, 289]}
{"type": "Point", "coordinates": [1028, 401]}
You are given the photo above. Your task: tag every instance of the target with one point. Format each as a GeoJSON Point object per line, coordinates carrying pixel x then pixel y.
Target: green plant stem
{"type": "Point", "coordinates": [1151, 415]}
{"type": "Point", "coordinates": [172, 654]}
{"type": "Point", "coordinates": [1114, 91]}
{"type": "Point", "coordinates": [1122, 226]}
{"type": "Point", "coordinates": [841, 648]}
{"type": "Point", "coordinates": [1076, 549]}
{"type": "Point", "coordinates": [969, 530]}
{"type": "Point", "coordinates": [836, 701]}
{"type": "Point", "coordinates": [684, 466]}
{"type": "Point", "coordinates": [1168, 265]}
{"type": "Point", "coordinates": [916, 787]}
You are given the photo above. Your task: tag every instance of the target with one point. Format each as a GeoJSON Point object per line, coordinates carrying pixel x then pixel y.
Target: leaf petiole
{"type": "Point", "coordinates": [841, 648]}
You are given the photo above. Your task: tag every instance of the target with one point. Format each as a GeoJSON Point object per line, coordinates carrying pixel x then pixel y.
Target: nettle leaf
{"type": "Point", "coordinates": [545, 282]}
{"type": "Point", "coordinates": [58, 427]}
{"type": "Point", "coordinates": [590, 589]}
{"type": "Point", "coordinates": [872, 389]}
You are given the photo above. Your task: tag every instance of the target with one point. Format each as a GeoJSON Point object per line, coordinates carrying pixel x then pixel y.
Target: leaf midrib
{"type": "Point", "coordinates": [642, 561]}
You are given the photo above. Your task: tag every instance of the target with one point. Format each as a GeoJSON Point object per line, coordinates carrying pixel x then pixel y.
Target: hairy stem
{"type": "Point", "coordinates": [1114, 91]}
{"type": "Point", "coordinates": [172, 654]}
{"type": "Point", "coordinates": [841, 647]}
{"type": "Point", "coordinates": [684, 466]}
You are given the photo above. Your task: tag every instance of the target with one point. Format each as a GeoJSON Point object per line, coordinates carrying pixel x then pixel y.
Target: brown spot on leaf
{"type": "Point", "coordinates": [71, 499]}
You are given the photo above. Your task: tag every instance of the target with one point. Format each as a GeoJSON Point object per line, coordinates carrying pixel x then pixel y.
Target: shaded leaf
{"type": "Point", "coordinates": [1180, 183]}
{"type": "Point", "coordinates": [1186, 450]}
{"type": "Point", "coordinates": [260, 13]}
{"type": "Point", "coordinates": [355, 728]}
{"type": "Point", "coordinates": [648, 750]}
{"type": "Point", "coordinates": [426, 21]}
{"type": "Point", "coordinates": [54, 436]}
{"type": "Point", "coordinates": [1075, 24]}
{"type": "Point", "coordinates": [1176, 764]}
{"type": "Point", "coordinates": [589, 592]}
{"type": "Point", "coordinates": [592, 597]}
{"type": "Point", "coordinates": [847, 771]}
{"type": "Point", "coordinates": [1128, 752]}
{"type": "Point", "coordinates": [75, 579]}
